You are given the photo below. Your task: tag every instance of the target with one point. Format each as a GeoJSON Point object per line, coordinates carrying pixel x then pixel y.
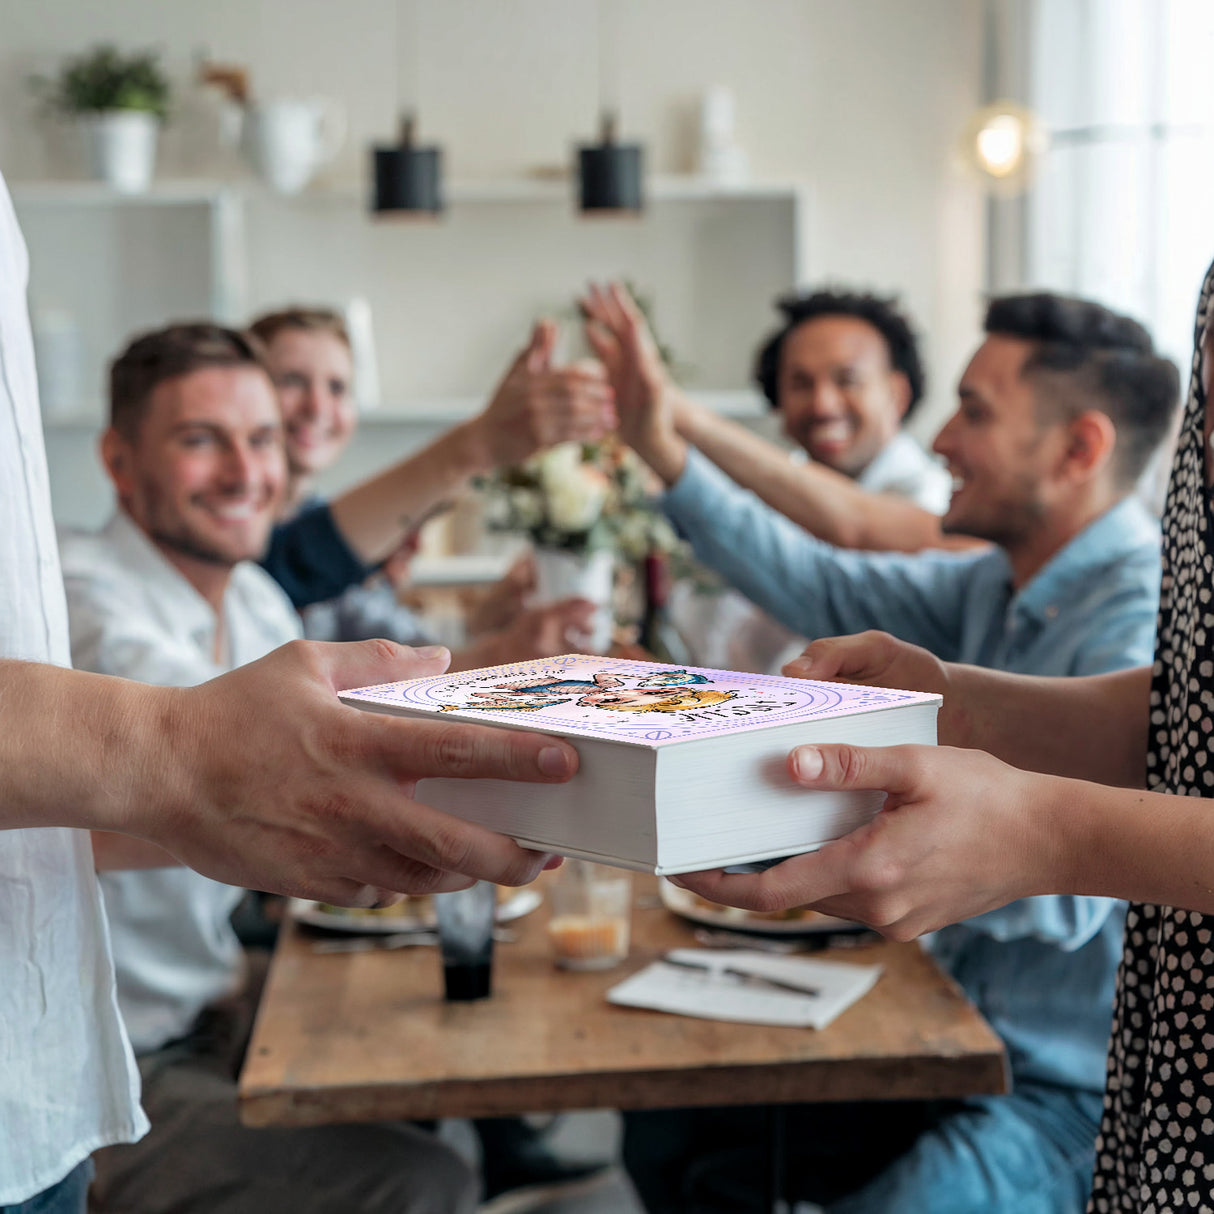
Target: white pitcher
{"type": "Point", "coordinates": [289, 139]}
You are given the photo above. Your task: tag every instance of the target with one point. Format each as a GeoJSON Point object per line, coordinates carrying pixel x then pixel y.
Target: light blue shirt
{"type": "Point", "coordinates": [1041, 969]}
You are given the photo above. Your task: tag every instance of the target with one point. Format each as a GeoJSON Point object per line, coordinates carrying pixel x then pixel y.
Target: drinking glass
{"type": "Point", "coordinates": [591, 916]}
{"type": "Point", "coordinates": [465, 936]}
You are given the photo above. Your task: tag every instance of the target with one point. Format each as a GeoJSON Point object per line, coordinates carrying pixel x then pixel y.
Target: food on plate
{"type": "Point", "coordinates": [413, 906]}
{"type": "Point", "coordinates": [794, 914]}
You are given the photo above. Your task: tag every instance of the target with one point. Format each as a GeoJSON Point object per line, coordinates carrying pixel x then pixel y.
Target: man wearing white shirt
{"type": "Point", "coordinates": [219, 775]}
{"type": "Point", "coordinates": [68, 1084]}
{"type": "Point", "coordinates": [168, 593]}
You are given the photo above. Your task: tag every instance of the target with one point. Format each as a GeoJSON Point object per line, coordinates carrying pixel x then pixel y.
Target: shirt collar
{"type": "Point", "coordinates": [183, 609]}
{"type": "Point", "coordinates": [1121, 530]}
{"type": "Point", "coordinates": [900, 455]}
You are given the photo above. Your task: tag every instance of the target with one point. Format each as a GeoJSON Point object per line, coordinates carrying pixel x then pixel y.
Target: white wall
{"type": "Point", "coordinates": [863, 99]}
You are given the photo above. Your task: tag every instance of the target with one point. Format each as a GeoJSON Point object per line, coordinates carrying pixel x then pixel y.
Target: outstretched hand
{"type": "Point", "coordinates": [270, 782]}
{"type": "Point", "coordinates": [957, 836]}
{"type": "Point", "coordinates": [621, 340]}
{"type": "Point", "coordinates": [876, 659]}
{"type": "Point", "coordinates": [537, 405]}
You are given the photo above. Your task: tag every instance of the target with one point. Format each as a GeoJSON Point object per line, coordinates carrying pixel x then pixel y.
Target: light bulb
{"type": "Point", "coordinates": [1000, 145]}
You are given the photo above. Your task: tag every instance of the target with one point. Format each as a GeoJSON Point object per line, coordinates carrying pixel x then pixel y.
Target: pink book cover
{"type": "Point", "coordinates": [640, 703]}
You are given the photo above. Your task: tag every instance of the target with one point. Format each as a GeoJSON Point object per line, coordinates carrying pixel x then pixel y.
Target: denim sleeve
{"type": "Point", "coordinates": [809, 586]}
{"type": "Point", "coordinates": [1066, 920]}
{"type": "Point", "coordinates": [310, 560]}
{"type": "Point", "coordinates": [1118, 623]}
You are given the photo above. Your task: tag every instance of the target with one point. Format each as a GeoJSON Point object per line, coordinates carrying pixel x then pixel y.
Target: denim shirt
{"type": "Point", "coordinates": [1040, 969]}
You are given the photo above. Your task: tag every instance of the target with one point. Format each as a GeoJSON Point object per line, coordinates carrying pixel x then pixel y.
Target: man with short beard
{"type": "Point", "coordinates": [168, 593]}
{"type": "Point", "coordinates": [1059, 411]}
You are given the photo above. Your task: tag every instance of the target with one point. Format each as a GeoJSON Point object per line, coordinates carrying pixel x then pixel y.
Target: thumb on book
{"type": "Point", "coordinates": [838, 766]}
{"type": "Point", "coordinates": [360, 663]}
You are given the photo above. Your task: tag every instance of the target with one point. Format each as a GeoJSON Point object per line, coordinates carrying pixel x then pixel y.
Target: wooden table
{"type": "Point", "coordinates": [368, 1037]}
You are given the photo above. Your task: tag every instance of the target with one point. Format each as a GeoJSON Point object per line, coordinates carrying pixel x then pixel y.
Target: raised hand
{"type": "Point", "coordinates": [621, 340]}
{"type": "Point", "coordinates": [537, 405]}
{"type": "Point", "coordinates": [270, 782]}
{"type": "Point", "coordinates": [960, 833]}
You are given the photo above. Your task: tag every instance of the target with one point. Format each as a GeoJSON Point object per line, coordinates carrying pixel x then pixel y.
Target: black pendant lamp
{"type": "Point", "coordinates": [610, 173]}
{"type": "Point", "coordinates": [408, 177]}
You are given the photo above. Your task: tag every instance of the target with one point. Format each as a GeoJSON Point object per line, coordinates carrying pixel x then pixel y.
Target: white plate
{"type": "Point", "coordinates": [684, 902]}
{"type": "Point", "coordinates": [418, 919]}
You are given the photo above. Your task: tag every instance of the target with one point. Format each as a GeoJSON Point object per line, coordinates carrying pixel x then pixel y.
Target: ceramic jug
{"type": "Point", "coordinates": [288, 140]}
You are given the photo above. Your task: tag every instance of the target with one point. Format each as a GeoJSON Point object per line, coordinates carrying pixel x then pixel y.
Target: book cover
{"type": "Point", "coordinates": [647, 704]}
{"type": "Point", "coordinates": [679, 767]}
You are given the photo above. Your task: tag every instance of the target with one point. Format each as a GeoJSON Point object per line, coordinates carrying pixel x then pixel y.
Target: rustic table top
{"type": "Point", "coordinates": [367, 1037]}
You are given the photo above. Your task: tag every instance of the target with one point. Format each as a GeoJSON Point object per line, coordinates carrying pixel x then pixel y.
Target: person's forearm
{"type": "Point", "coordinates": [1127, 843]}
{"type": "Point", "coordinates": [1092, 728]}
{"type": "Point", "coordinates": [826, 503]}
{"type": "Point", "coordinates": [117, 852]}
{"type": "Point", "coordinates": [375, 516]}
{"type": "Point", "coordinates": [83, 750]}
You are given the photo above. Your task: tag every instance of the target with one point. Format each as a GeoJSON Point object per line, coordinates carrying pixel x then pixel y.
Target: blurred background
{"type": "Point", "coordinates": [786, 143]}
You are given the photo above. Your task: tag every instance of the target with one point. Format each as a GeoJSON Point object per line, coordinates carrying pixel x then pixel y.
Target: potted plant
{"type": "Point", "coordinates": [583, 506]}
{"type": "Point", "coordinates": [119, 100]}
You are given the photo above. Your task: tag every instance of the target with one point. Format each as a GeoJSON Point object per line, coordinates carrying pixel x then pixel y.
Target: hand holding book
{"type": "Point", "coordinates": [955, 838]}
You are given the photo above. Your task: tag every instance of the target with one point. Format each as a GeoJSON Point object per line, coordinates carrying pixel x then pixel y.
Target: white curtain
{"type": "Point", "coordinates": [1121, 208]}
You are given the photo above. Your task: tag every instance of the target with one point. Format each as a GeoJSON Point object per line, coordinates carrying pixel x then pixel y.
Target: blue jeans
{"type": "Point", "coordinates": [1027, 1153]}
{"type": "Point", "coordinates": [69, 1196]}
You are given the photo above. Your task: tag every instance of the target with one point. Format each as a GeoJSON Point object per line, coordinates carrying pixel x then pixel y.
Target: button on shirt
{"type": "Point", "coordinates": [134, 615]}
{"type": "Point", "coordinates": [68, 1084]}
{"type": "Point", "coordinates": [1041, 969]}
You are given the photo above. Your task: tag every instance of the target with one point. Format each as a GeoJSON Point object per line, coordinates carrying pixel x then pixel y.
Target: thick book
{"type": "Point", "coordinates": [681, 768]}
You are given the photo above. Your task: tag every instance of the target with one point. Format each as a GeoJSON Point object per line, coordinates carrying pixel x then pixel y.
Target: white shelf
{"type": "Point", "coordinates": [674, 187]}
{"type": "Point", "coordinates": [166, 192]}
{"type": "Point", "coordinates": [678, 187]}
{"type": "Point", "coordinates": [448, 411]}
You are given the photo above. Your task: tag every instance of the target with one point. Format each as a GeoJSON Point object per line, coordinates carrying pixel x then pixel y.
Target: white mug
{"type": "Point", "coordinates": [289, 139]}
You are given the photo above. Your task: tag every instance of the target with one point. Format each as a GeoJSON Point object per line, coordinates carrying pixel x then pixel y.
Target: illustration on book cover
{"type": "Point", "coordinates": [642, 701]}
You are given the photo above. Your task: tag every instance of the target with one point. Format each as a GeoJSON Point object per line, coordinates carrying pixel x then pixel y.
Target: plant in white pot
{"type": "Point", "coordinates": [585, 508]}
{"type": "Point", "coordinates": [119, 101]}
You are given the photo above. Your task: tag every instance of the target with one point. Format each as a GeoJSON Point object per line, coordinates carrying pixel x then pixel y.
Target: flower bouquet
{"type": "Point", "coordinates": [584, 507]}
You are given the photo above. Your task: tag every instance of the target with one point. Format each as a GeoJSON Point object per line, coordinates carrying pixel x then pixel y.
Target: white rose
{"type": "Point", "coordinates": [558, 464]}
{"type": "Point", "coordinates": [575, 502]}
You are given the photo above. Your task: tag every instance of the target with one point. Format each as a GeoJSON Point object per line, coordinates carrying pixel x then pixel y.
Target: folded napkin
{"type": "Point", "coordinates": [727, 984]}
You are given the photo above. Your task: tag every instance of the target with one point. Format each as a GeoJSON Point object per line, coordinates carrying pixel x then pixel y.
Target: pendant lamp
{"type": "Point", "coordinates": [609, 172]}
{"type": "Point", "coordinates": [407, 178]}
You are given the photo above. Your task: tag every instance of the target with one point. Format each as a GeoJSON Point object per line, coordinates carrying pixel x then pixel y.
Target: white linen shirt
{"type": "Point", "coordinates": [68, 1083]}
{"type": "Point", "coordinates": [133, 614]}
{"type": "Point", "coordinates": [903, 468]}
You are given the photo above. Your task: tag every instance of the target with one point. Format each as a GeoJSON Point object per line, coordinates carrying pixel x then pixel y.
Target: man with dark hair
{"type": "Point", "coordinates": [1059, 410]}
{"type": "Point", "coordinates": [168, 593]}
{"type": "Point", "coordinates": [164, 354]}
{"type": "Point", "coordinates": [890, 387]}
{"type": "Point", "coordinates": [844, 372]}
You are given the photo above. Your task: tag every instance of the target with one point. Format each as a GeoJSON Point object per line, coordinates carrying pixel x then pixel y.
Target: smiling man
{"type": "Point", "coordinates": [168, 593]}
{"type": "Point", "coordinates": [1060, 409]}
